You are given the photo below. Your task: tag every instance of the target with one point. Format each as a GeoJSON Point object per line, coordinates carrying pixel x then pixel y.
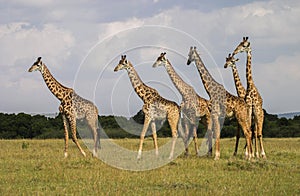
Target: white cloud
{"type": "Point", "coordinates": [35, 3]}
{"type": "Point", "coordinates": [279, 82]}
{"type": "Point", "coordinates": [113, 28]}
{"type": "Point", "coordinates": [23, 41]}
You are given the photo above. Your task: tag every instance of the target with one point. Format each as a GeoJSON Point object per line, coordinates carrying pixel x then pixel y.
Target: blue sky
{"type": "Point", "coordinates": [80, 42]}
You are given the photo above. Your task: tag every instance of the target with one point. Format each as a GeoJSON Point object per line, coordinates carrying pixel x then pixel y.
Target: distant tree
{"type": "Point", "coordinates": [13, 126]}
{"type": "Point", "coordinates": [283, 121]}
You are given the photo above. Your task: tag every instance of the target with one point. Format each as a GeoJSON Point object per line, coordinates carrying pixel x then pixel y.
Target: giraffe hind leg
{"type": "Point", "coordinates": [93, 125]}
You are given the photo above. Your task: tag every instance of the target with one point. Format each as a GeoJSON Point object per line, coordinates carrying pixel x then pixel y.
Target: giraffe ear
{"type": "Point", "coordinates": [237, 59]}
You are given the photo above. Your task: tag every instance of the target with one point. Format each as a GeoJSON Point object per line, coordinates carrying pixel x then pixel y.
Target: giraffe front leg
{"type": "Point", "coordinates": [187, 137]}
{"type": "Point", "coordinates": [173, 122]}
{"type": "Point", "coordinates": [195, 138]}
{"type": "Point", "coordinates": [66, 127]}
{"type": "Point", "coordinates": [217, 136]}
{"type": "Point", "coordinates": [237, 140]}
{"type": "Point", "coordinates": [260, 135]}
{"type": "Point", "coordinates": [153, 127]}
{"type": "Point", "coordinates": [209, 135]}
{"type": "Point", "coordinates": [249, 146]}
{"type": "Point", "coordinates": [146, 125]}
{"type": "Point", "coordinates": [247, 128]}
{"type": "Point", "coordinates": [72, 122]}
{"type": "Point", "coordinates": [256, 141]}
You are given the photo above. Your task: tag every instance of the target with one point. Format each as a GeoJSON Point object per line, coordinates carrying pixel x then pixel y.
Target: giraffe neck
{"type": "Point", "coordinates": [141, 89]}
{"type": "Point", "coordinates": [241, 91]}
{"type": "Point", "coordinates": [177, 80]}
{"type": "Point", "coordinates": [207, 80]}
{"type": "Point", "coordinates": [248, 69]}
{"type": "Point", "coordinates": [57, 89]}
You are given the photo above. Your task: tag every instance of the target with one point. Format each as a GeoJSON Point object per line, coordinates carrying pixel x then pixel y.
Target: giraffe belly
{"type": "Point", "coordinates": [158, 111]}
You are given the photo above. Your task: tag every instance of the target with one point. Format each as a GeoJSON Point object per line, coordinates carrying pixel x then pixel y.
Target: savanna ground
{"type": "Point", "coordinates": [38, 167]}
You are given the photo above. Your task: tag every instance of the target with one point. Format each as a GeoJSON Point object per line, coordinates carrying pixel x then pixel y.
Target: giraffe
{"type": "Point", "coordinates": [72, 107]}
{"type": "Point", "coordinates": [222, 103]}
{"type": "Point", "coordinates": [253, 98]}
{"type": "Point", "coordinates": [241, 91]}
{"type": "Point", "coordinates": [155, 107]}
{"type": "Point", "coordinates": [192, 106]}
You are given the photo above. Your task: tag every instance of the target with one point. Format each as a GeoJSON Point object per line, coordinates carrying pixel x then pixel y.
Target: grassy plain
{"type": "Point", "coordinates": [37, 167]}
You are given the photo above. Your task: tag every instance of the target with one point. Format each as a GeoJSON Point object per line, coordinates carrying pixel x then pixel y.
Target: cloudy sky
{"type": "Point", "coordinates": [81, 43]}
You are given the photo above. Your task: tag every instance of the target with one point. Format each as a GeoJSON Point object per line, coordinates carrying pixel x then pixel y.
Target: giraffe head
{"type": "Point", "coordinates": [38, 65]}
{"type": "Point", "coordinates": [123, 64]}
{"type": "Point", "coordinates": [230, 61]}
{"type": "Point", "coordinates": [244, 46]}
{"type": "Point", "coordinates": [192, 55]}
{"type": "Point", "coordinates": [161, 60]}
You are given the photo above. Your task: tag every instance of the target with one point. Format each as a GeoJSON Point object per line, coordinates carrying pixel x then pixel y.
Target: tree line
{"type": "Point", "coordinates": [21, 125]}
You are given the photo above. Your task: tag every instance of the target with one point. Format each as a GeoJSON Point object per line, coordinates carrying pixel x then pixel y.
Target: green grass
{"type": "Point", "coordinates": [38, 167]}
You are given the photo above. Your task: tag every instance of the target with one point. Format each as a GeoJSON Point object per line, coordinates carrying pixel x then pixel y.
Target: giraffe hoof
{"type": "Point", "coordinates": [65, 154]}
{"type": "Point", "coordinates": [94, 153]}
{"type": "Point", "coordinates": [263, 155]}
{"type": "Point", "coordinates": [139, 155]}
{"type": "Point", "coordinates": [209, 154]}
{"type": "Point", "coordinates": [217, 158]}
